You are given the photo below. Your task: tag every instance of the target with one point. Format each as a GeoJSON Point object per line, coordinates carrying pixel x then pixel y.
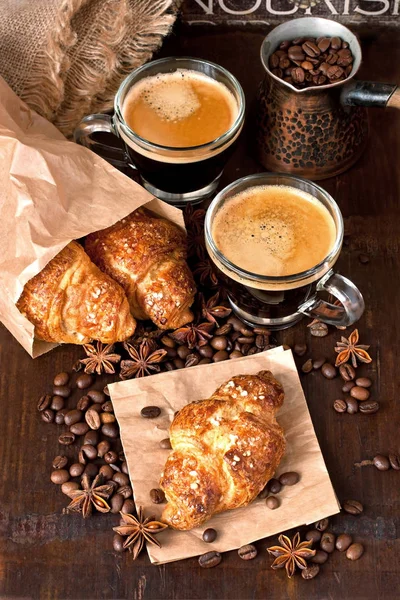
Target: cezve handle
{"type": "Point", "coordinates": [370, 93]}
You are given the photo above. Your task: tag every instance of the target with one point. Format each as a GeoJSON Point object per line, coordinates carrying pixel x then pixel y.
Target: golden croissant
{"type": "Point", "coordinates": [72, 301]}
{"type": "Point", "coordinates": [146, 255]}
{"type": "Point", "coordinates": [225, 449]}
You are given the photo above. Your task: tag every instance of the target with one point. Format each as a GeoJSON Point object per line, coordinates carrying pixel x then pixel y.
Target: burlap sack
{"type": "Point", "coordinates": [66, 58]}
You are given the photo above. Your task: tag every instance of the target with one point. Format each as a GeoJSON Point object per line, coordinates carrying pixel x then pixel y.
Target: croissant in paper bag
{"type": "Point", "coordinates": [225, 449]}
{"type": "Point", "coordinates": [72, 301]}
{"type": "Point", "coordinates": [146, 255]}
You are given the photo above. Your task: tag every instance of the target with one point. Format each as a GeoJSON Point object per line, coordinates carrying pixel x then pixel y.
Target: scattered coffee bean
{"type": "Point", "coordinates": [79, 428]}
{"type": "Point", "coordinates": [125, 491]}
{"type": "Point", "coordinates": [313, 536]}
{"type": "Point", "coordinates": [57, 403]}
{"type": "Point", "coordinates": [327, 542]}
{"type": "Point", "coordinates": [106, 472]}
{"type": "Point", "coordinates": [328, 371]}
{"type": "Point", "coordinates": [59, 476]}
{"type": "Point", "coordinates": [219, 342]}
{"type": "Point", "coordinates": [347, 372]}
{"type": "Point", "coordinates": [48, 415]}
{"type": "Point", "coordinates": [289, 478]}
{"type": "Point", "coordinates": [272, 502]}
{"type": "Point", "coordinates": [355, 551]}
{"type": "Point", "coordinates": [96, 396]}
{"type": "Point", "coordinates": [394, 460]}
{"type": "Point", "coordinates": [66, 439]}
{"type": "Point", "coordinates": [150, 412]}
{"type": "Point", "coordinates": [381, 462]}
{"type": "Point", "coordinates": [363, 258]}
{"type": "Point", "coordinates": [348, 386]}
{"type": "Point", "coordinates": [124, 467]}
{"type": "Point", "coordinates": [320, 557]}
{"type": "Point", "coordinates": [44, 402]}
{"type": "Point", "coordinates": [209, 535]}
{"type": "Point", "coordinates": [59, 462]}
{"type": "Point", "coordinates": [363, 382]}
{"type": "Point", "coordinates": [264, 493]}
{"type": "Point", "coordinates": [157, 496]}
{"type": "Point", "coordinates": [116, 503]}
{"type": "Point", "coordinates": [69, 487]}
{"type": "Point", "coordinates": [92, 418]}
{"type": "Point", "coordinates": [165, 444]}
{"type": "Point", "coordinates": [247, 552]}
{"type": "Point", "coordinates": [318, 329]}
{"type": "Point", "coordinates": [84, 381]}
{"type": "Point", "coordinates": [300, 349]}
{"type": "Point", "coordinates": [274, 486]}
{"type": "Point", "coordinates": [110, 457]}
{"type": "Point", "coordinates": [352, 405]}
{"type": "Point", "coordinates": [102, 448]}
{"type": "Point", "coordinates": [76, 469]}
{"type": "Point", "coordinates": [91, 470]}
{"type": "Point", "coordinates": [369, 407]}
{"type": "Point", "coordinates": [107, 407]}
{"type": "Point", "coordinates": [322, 524]}
{"type": "Point", "coordinates": [88, 452]}
{"type": "Point", "coordinates": [60, 415]}
{"type": "Point", "coordinates": [210, 559]}
{"type": "Point", "coordinates": [183, 352]}
{"type": "Point", "coordinates": [107, 417]}
{"type": "Point", "coordinates": [307, 367]}
{"type": "Point", "coordinates": [91, 437]}
{"type": "Point", "coordinates": [83, 403]}
{"type": "Point", "coordinates": [317, 363]}
{"type": "Point", "coordinates": [340, 406]}
{"type": "Point", "coordinates": [118, 543]}
{"type": "Point", "coordinates": [73, 416]}
{"type": "Point", "coordinates": [343, 541]}
{"type": "Point", "coordinates": [310, 572]}
{"type": "Point", "coordinates": [359, 393]}
{"type": "Point", "coordinates": [61, 390]}
{"type": "Point", "coordinates": [192, 360]}
{"type": "Point", "coordinates": [220, 356]}
{"type": "Point", "coordinates": [128, 506]}
{"type": "Point", "coordinates": [61, 379]}
{"type": "Point", "coordinates": [353, 507]}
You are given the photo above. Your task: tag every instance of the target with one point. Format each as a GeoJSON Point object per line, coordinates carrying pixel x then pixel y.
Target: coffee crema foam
{"type": "Point", "coordinates": [274, 231]}
{"type": "Point", "coordinates": [180, 109]}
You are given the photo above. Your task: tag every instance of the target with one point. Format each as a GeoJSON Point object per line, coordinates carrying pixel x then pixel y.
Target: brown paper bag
{"type": "Point", "coordinates": [51, 192]}
{"type": "Point", "coordinates": [311, 499]}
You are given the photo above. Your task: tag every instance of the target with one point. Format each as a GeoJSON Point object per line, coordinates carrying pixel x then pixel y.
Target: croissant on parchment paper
{"type": "Point", "coordinates": [225, 449]}
{"type": "Point", "coordinates": [72, 301]}
{"type": "Point", "coordinates": [146, 255]}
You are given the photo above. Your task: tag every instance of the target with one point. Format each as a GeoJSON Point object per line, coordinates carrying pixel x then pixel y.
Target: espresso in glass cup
{"type": "Point", "coordinates": [274, 240]}
{"type": "Point", "coordinates": [179, 119]}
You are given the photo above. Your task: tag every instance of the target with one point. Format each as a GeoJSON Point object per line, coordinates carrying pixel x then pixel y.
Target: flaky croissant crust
{"type": "Point", "coordinates": [72, 301]}
{"type": "Point", "coordinates": [225, 449]}
{"type": "Point", "coordinates": [146, 255]}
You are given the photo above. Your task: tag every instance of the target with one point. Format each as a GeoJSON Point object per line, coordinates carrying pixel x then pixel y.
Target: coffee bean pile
{"type": "Point", "coordinates": [275, 485]}
{"type": "Point", "coordinates": [310, 61]}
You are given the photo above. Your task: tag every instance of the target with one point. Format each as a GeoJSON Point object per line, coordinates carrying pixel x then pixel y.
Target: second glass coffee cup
{"type": "Point", "coordinates": [176, 174]}
{"type": "Point", "coordinates": [279, 301]}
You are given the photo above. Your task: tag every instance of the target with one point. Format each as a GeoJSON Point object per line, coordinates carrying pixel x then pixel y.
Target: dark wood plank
{"type": "Point", "coordinates": [45, 554]}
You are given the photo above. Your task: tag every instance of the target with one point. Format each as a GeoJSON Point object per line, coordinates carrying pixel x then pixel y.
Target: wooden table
{"type": "Point", "coordinates": [45, 554]}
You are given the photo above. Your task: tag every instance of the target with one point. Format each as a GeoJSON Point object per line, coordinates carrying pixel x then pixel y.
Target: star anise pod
{"type": "Point", "coordinates": [145, 360]}
{"type": "Point", "coordinates": [193, 335]}
{"type": "Point", "coordinates": [92, 494]}
{"type": "Point", "coordinates": [349, 348]}
{"type": "Point", "coordinates": [291, 554]}
{"type": "Point", "coordinates": [205, 273]}
{"type": "Point", "coordinates": [101, 358]}
{"type": "Point", "coordinates": [210, 310]}
{"type": "Point", "coordinates": [194, 218]}
{"type": "Point", "coordinates": [138, 530]}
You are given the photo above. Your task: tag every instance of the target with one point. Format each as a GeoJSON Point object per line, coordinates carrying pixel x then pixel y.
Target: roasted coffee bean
{"type": "Point", "coordinates": [121, 478]}
{"type": "Point", "coordinates": [110, 430]}
{"type": "Point", "coordinates": [124, 467]}
{"type": "Point", "coordinates": [247, 552]}
{"type": "Point", "coordinates": [355, 551]}
{"type": "Point", "coordinates": [352, 405]}
{"type": "Point", "coordinates": [206, 351]}
{"type": "Point", "coordinates": [347, 372]}
{"type": "Point", "coordinates": [91, 437]}
{"type": "Point", "coordinates": [107, 407]}
{"type": "Point", "coordinates": [79, 428]}
{"type": "Point", "coordinates": [225, 329]}
{"type": "Point", "coordinates": [246, 339]}
{"type": "Point", "coordinates": [297, 75]}
{"type": "Point", "coordinates": [209, 535]}
{"type": "Point", "coordinates": [245, 349]}
{"type": "Point", "coordinates": [307, 367]}
{"type": "Point", "coordinates": [220, 356]}
{"type": "Point", "coordinates": [381, 462]}
{"type": "Point", "coordinates": [192, 360]}
{"type": "Point", "coordinates": [110, 457]}
{"type": "Point", "coordinates": [60, 415]}
{"type": "Point", "coordinates": [353, 507]}
{"type": "Point", "coordinates": [327, 542]}
{"type": "Point", "coordinates": [92, 418]}
{"type": "Point", "coordinates": [116, 503]}
{"type": "Point", "coordinates": [259, 330]}
{"type": "Point", "coordinates": [219, 342]}
{"type": "Point", "coordinates": [235, 354]}
{"type": "Point", "coordinates": [150, 412]}
{"type": "Point", "coordinates": [284, 62]}
{"type": "Point", "coordinates": [125, 491]}
{"type": "Point", "coordinates": [310, 572]}
{"type": "Point", "coordinates": [317, 363]}
{"type": "Point", "coordinates": [169, 366]}
{"type": "Point", "coordinates": [334, 72]}
{"type": "Point", "coordinates": [103, 447]}
{"type": "Point", "coordinates": [274, 486]}
{"type": "Point", "coordinates": [168, 341]}
{"type": "Point", "coordinates": [210, 559]}
{"type": "Point", "coordinates": [76, 469]}
{"type": "Point", "coordinates": [296, 53]}
{"type": "Point", "coordinates": [322, 524]}
{"type": "Point", "coordinates": [171, 353]}
{"type": "Point", "coordinates": [313, 536]}
{"type": "Point", "coordinates": [328, 371]}
{"type": "Point", "coordinates": [273, 61]}
{"type": "Point", "coordinates": [106, 472]}
{"type": "Point", "coordinates": [157, 496]}
{"type": "Point", "coordinates": [289, 478]}
{"type": "Point", "coordinates": [83, 403]}
{"type": "Point", "coordinates": [359, 393]}
{"type": "Point", "coordinates": [319, 329]}
{"type": "Point", "coordinates": [96, 396]}
{"type": "Point", "coordinates": [324, 44]}
{"type": "Point", "coordinates": [118, 543]}
{"type": "Point", "coordinates": [348, 386]}
{"type": "Point", "coordinates": [343, 541]}
{"type": "Point", "coordinates": [262, 341]}
{"type": "Point", "coordinates": [336, 43]}
{"type": "Point", "coordinates": [340, 406]}
{"type": "Point", "coordinates": [369, 407]}
{"type": "Point", "coordinates": [84, 381]}
{"type": "Point", "coordinates": [363, 258]}
{"type": "Point", "coordinates": [44, 402]}
{"type": "Point", "coordinates": [331, 60]}
{"type": "Point", "coordinates": [205, 361]}
{"type": "Point", "coordinates": [61, 390]}
{"type": "Point", "coordinates": [59, 462]}
{"type": "Point", "coordinates": [284, 45]}
{"type": "Point", "coordinates": [394, 460]}
{"type": "Point", "coordinates": [311, 49]}
{"type": "Point", "coordinates": [69, 487]}
{"type": "Point", "coordinates": [320, 557]}
{"type": "Point", "coordinates": [236, 323]}
{"type": "Point", "coordinates": [73, 416]}
{"type": "Point", "coordinates": [48, 415]}
{"type": "Point", "coordinates": [306, 65]}
{"type": "Point", "coordinates": [272, 502]}
{"type": "Point", "coordinates": [319, 79]}
{"type": "Point", "coordinates": [264, 493]}
{"type": "Point", "coordinates": [91, 470]}
{"type": "Point", "coordinates": [61, 379]}
{"type": "Point", "coordinates": [128, 506]}
{"type": "Point", "coordinates": [363, 382]}
{"type": "Point", "coordinates": [300, 349]}
{"type": "Point", "coordinates": [165, 444]}
{"type": "Point", "coordinates": [107, 417]}
{"type": "Point", "coordinates": [323, 68]}
{"type": "Point", "coordinates": [57, 403]}
{"type": "Point", "coordinates": [88, 452]}
{"type": "Point", "coordinates": [59, 476]}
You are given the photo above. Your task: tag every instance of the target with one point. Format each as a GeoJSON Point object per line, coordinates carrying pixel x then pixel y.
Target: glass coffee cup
{"type": "Point", "coordinates": [279, 301]}
{"type": "Point", "coordinates": [168, 92]}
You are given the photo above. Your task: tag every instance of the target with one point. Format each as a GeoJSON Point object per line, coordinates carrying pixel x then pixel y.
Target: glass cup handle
{"type": "Point", "coordinates": [352, 303]}
{"type": "Point", "coordinates": [100, 123]}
